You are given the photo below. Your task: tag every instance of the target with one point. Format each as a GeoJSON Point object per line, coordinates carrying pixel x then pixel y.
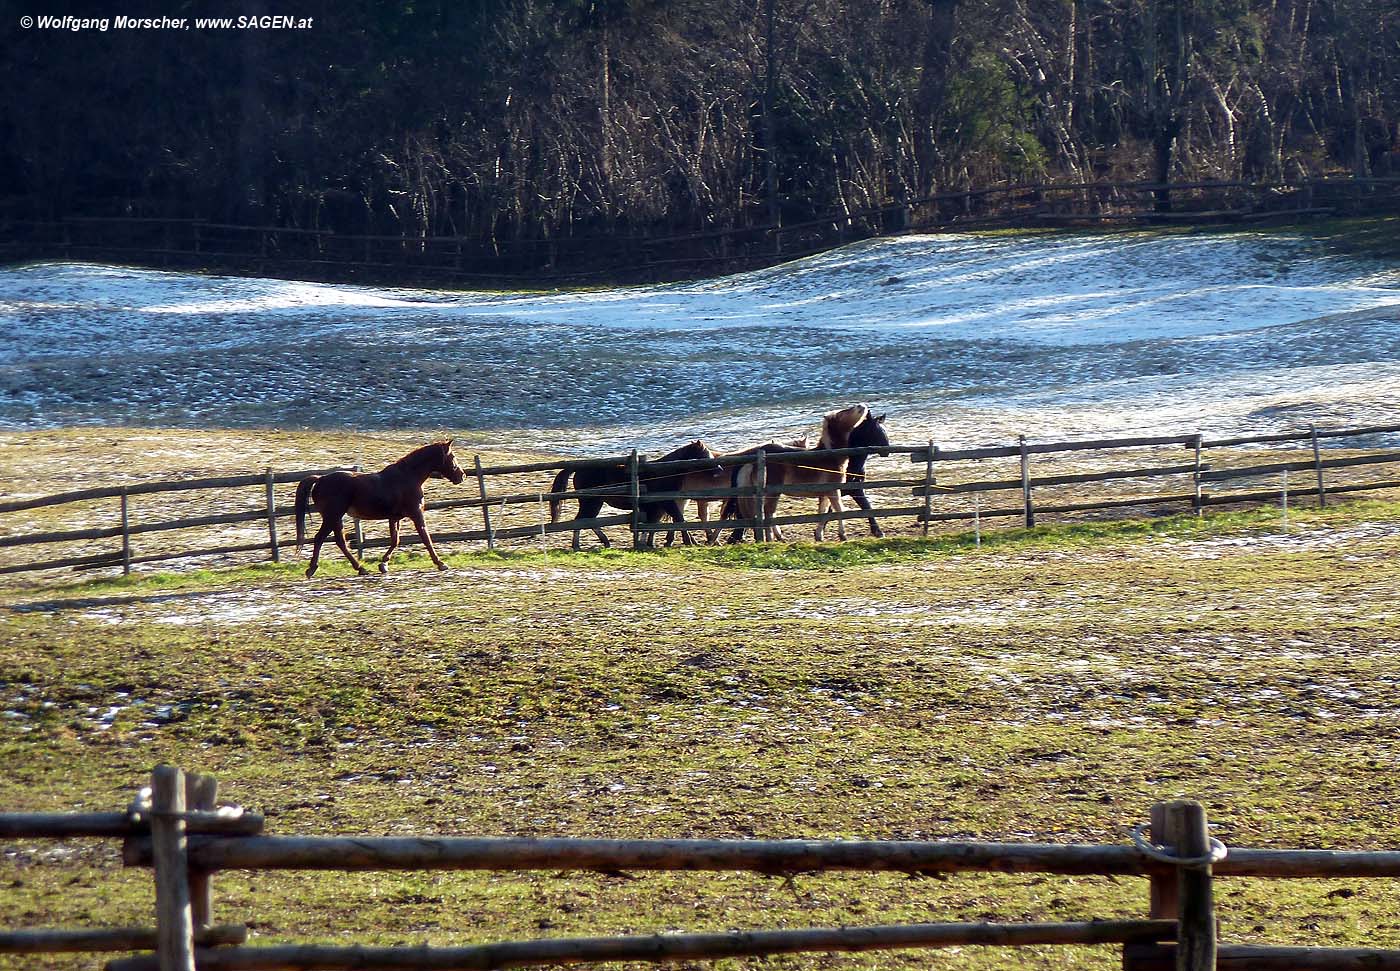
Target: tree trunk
{"type": "Point", "coordinates": [770, 140]}
{"type": "Point", "coordinates": [933, 87]}
{"type": "Point", "coordinates": [251, 124]}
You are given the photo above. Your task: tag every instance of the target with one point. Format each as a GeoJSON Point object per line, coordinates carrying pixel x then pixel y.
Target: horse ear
{"type": "Point", "coordinates": [882, 418]}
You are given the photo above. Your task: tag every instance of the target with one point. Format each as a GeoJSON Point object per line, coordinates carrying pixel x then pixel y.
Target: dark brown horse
{"type": "Point", "coordinates": [611, 484]}
{"type": "Point", "coordinates": [394, 493]}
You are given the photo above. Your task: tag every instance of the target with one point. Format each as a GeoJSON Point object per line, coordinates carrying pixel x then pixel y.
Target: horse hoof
{"type": "Point", "coordinates": [363, 572]}
{"type": "Point", "coordinates": [310, 572]}
{"type": "Point", "coordinates": [442, 566]}
{"type": "Point", "coordinates": [383, 568]}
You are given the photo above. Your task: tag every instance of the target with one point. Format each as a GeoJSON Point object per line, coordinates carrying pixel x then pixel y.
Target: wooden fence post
{"type": "Point", "coordinates": [126, 536]}
{"type": "Point", "coordinates": [202, 793]}
{"type": "Point", "coordinates": [1317, 462]}
{"type": "Point", "coordinates": [1186, 895]}
{"type": "Point", "coordinates": [1196, 478]}
{"type": "Point", "coordinates": [272, 518]}
{"type": "Point", "coordinates": [635, 486]}
{"type": "Point", "coordinates": [359, 529]}
{"type": "Point", "coordinates": [1026, 483]}
{"type": "Point", "coordinates": [928, 486]}
{"type": "Point", "coordinates": [761, 532]}
{"type": "Point", "coordinates": [174, 922]}
{"type": "Point", "coordinates": [485, 507]}
{"type": "Point", "coordinates": [1196, 934]}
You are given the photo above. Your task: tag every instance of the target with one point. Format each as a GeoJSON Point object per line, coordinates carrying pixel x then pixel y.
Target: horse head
{"type": "Point", "coordinates": [447, 465]}
{"type": "Point", "coordinates": [871, 434]}
{"type": "Point", "coordinates": [695, 450]}
{"type": "Point", "coordinates": [838, 425]}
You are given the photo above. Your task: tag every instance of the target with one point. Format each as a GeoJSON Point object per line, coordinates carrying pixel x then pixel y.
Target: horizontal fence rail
{"type": "Point", "coordinates": [309, 251]}
{"type": "Point", "coordinates": [772, 857]}
{"type": "Point", "coordinates": [167, 829]}
{"type": "Point", "coordinates": [916, 499]}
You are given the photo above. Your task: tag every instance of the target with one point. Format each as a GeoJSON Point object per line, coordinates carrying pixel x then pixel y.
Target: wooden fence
{"type": "Point", "coordinates": [174, 828]}
{"type": "Point", "coordinates": [297, 251]}
{"type": "Point", "coordinates": [921, 499]}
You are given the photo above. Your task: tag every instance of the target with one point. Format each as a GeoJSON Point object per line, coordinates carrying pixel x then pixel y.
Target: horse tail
{"type": "Point", "coordinates": [561, 481]}
{"type": "Point", "coordinates": [304, 488]}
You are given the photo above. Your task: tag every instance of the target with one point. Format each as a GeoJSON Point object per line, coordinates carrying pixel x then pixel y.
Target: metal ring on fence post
{"type": "Point", "coordinates": [1163, 854]}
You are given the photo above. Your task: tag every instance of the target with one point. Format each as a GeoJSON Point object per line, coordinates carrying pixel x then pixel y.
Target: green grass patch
{"type": "Point", "coordinates": [796, 555]}
{"type": "Point", "coordinates": [1050, 686]}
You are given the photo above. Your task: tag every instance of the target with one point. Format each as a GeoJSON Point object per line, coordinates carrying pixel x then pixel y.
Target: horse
{"type": "Point", "coordinates": [716, 478]}
{"type": "Point", "coordinates": [613, 483]}
{"type": "Point", "coordinates": [393, 493]}
{"type": "Point", "coordinates": [837, 427]}
{"type": "Point", "coordinates": [868, 434]}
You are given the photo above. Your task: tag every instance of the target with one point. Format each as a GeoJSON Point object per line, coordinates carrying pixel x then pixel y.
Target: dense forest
{"type": "Point", "coordinates": [511, 119]}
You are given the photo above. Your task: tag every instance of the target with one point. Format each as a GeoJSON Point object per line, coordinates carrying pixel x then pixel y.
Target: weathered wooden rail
{"type": "Point", "coordinates": [174, 829]}
{"type": "Point", "coordinates": [920, 498]}
{"type": "Point", "coordinates": [302, 251]}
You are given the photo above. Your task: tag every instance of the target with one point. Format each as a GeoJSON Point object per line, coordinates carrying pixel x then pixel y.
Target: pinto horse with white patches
{"type": "Point", "coordinates": [837, 429]}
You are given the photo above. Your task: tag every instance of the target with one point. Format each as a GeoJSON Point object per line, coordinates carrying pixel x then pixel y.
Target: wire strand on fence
{"type": "Point", "coordinates": [1165, 854]}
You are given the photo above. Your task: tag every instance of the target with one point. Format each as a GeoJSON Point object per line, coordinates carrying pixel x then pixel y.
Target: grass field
{"type": "Point", "coordinates": [1050, 685]}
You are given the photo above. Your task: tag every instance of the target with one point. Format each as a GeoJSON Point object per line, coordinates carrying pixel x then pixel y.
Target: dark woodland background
{"type": "Point", "coordinates": [533, 119]}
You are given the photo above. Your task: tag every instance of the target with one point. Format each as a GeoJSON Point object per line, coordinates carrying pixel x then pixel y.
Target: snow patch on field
{"type": "Point", "coordinates": [962, 339]}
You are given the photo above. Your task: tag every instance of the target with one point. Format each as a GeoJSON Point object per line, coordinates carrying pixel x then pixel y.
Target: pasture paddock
{"type": "Point", "coordinates": [1043, 689]}
{"type": "Point", "coordinates": [1065, 479]}
{"type": "Point", "coordinates": [174, 827]}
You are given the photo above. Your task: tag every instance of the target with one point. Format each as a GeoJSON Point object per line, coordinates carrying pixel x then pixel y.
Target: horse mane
{"type": "Point", "coordinates": [838, 425]}
{"type": "Point", "coordinates": [425, 453]}
{"type": "Point", "coordinates": [695, 450]}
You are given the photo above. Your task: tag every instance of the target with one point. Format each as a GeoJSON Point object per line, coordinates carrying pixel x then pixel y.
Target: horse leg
{"type": "Point", "coordinates": [819, 533]}
{"type": "Point", "coordinates": [671, 534]}
{"type": "Point", "coordinates": [863, 501]}
{"type": "Point", "coordinates": [835, 501]}
{"type": "Point", "coordinates": [339, 531]}
{"type": "Point", "coordinates": [588, 508]}
{"type": "Point", "coordinates": [685, 533]}
{"type": "Point", "coordinates": [702, 507]}
{"type": "Point", "coordinates": [677, 514]}
{"type": "Point", "coordinates": [741, 511]}
{"type": "Point", "coordinates": [421, 525]}
{"type": "Point", "coordinates": [321, 535]}
{"type": "Point", "coordinates": [393, 545]}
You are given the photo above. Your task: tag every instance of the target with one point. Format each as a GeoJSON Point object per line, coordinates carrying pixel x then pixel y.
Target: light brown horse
{"type": "Point", "coordinates": [717, 478]}
{"type": "Point", "coordinates": [393, 493]}
{"type": "Point", "coordinates": [837, 427]}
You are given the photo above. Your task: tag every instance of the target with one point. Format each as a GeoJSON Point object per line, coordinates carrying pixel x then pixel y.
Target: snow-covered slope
{"type": "Point", "coordinates": [960, 338]}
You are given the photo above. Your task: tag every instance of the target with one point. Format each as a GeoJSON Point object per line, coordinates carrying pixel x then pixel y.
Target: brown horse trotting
{"type": "Point", "coordinates": [394, 493]}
